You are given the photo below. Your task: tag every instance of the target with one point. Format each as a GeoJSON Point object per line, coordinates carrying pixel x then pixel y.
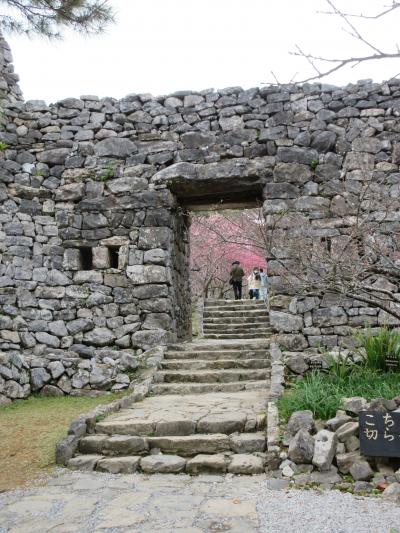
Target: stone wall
{"type": "Point", "coordinates": [93, 235]}
{"type": "Point", "coordinates": [9, 88]}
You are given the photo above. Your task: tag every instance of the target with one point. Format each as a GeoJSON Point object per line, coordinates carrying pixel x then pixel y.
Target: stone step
{"type": "Point", "coordinates": [232, 303]}
{"type": "Point", "coordinates": [129, 436]}
{"type": "Point", "coordinates": [213, 355]}
{"type": "Point", "coordinates": [237, 320]}
{"type": "Point", "coordinates": [216, 463]}
{"type": "Point", "coordinates": [237, 345]}
{"type": "Point", "coordinates": [211, 376]}
{"type": "Point", "coordinates": [235, 310]}
{"type": "Point", "coordinates": [232, 328]}
{"type": "Point", "coordinates": [199, 388]}
{"type": "Point", "coordinates": [234, 335]}
{"type": "Point", "coordinates": [203, 364]}
{"type": "Point", "coordinates": [235, 314]}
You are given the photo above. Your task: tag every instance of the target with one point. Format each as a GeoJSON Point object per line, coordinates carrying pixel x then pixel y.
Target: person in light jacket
{"type": "Point", "coordinates": [264, 286]}
{"type": "Point", "coordinates": [254, 284]}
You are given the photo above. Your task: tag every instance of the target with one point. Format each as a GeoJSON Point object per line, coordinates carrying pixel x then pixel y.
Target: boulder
{"type": "Point", "coordinates": [361, 471]}
{"type": "Point", "coordinates": [39, 378]}
{"type": "Point", "coordinates": [301, 447]}
{"type": "Point", "coordinates": [324, 449]}
{"type": "Point", "coordinates": [345, 461]}
{"type": "Point", "coordinates": [392, 493]}
{"type": "Point", "coordinates": [347, 430]}
{"type": "Point", "coordinates": [300, 420]}
{"type": "Point", "coordinates": [354, 405]}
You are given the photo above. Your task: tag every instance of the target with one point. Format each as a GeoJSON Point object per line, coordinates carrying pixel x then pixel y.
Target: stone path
{"type": "Point", "coordinates": [78, 502]}
{"type": "Point", "coordinates": [206, 412]}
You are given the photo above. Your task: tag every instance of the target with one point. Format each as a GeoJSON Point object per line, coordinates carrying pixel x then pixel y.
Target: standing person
{"type": "Point", "coordinates": [264, 286]}
{"type": "Point", "coordinates": [254, 284]}
{"type": "Point", "coordinates": [236, 278]}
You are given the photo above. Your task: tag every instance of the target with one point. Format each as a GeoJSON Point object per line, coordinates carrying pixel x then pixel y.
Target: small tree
{"type": "Point", "coordinates": [358, 258]}
{"type": "Point", "coordinates": [48, 17]}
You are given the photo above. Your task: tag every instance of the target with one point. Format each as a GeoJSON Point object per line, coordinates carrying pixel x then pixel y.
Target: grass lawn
{"type": "Point", "coordinates": [29, 431]}
{"type": "Point", "coordinates": [322, 393]}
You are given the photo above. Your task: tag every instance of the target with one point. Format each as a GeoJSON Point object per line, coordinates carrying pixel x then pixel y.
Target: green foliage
{"type": "Point", "coordinates": [322, 393]}
{"type": "Point", "coordinates": [314, 163]}
{"type": "Point", "coordinates": [109, 172]}
{"type": "Point", "coordinates": [47, 17]}
{"type": "Point", "coordinates": [375, 348]}
{"type": "Point", "coordinates": [339, 365]}
{"type": "Point", "coordinates": [3, 146]}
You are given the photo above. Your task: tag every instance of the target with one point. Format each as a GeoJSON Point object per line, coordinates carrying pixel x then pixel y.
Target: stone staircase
{"type": "Point", "coordinates": [235, 319]}
{"type": "Point", "coordinates": [206, 411]}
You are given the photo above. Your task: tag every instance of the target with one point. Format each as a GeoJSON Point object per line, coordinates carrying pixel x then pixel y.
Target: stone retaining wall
{"type": "Point", "coordinates": [93, 229]}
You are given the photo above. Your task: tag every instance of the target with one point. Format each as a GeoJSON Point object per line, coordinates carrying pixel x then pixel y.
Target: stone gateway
{"type": "Point", "coordinates": [94, 198]}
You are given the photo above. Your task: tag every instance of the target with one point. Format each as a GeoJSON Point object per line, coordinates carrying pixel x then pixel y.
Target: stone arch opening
{"type": "Point", "coordinates": [198, 191]}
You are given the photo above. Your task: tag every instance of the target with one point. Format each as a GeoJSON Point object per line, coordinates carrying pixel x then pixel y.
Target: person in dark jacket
{"type": "Point", "coordinates": [236, 277]}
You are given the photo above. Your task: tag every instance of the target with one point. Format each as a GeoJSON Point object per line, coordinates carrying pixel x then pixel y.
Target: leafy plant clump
{"type": "Point", "coordinates": [322, 393]}
{"type": "Point", "coordinates": [374, 349]}
{"type": "Point", "coordinates": [3, 146]}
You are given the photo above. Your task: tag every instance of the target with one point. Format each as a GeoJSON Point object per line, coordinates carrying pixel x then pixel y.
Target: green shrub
{"type": "Point", "coordinates": [375, 348]}
{"type": "Point", "coordinates": [339, 365]}
{"type": "Point", "coordinates": [322, 393]}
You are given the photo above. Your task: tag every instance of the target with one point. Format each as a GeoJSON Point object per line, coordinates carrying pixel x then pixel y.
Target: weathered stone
{"type": "Point", "coordinates": [300, 420]}
{"type": "Point", "coordinates": [324, 449]}
{"type": "Point", "coordinates": [115, 147]}
{"type": "Point", "coordinates": [245, 464]}
{"type": "Point", "coordinates": [206, 464]}
{"type": "Point", "coordinates": [84, 462]}
{"type": "Point", "coordinates": [39, 378]}
{"type": "Point", "coordinates": [361, 471]}
{"type": "Point", "coordinates": [392, 493]}
{"type": "Point", "coordinates": [347, 430]}
{"type": "Point", "coordinates": [301, 447]}
{"type": "Point", "coordinates": [354, 405]}
{"type": "Point", "coordinates": [99, 337]}
{"type": "Point", "coordinates": [118, 465]}
{"type": "Point", "coordinates": [243, 443]}
{"type": "Point", "coordinates": [163, 464]}
{"type": "Point", "coordinates": [285, 322]}
{"type": "Point", "coordinates": [346, 460]}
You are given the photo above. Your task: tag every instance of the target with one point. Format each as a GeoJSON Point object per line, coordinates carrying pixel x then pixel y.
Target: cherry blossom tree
{"type": "Point", "coordinates": [216, 241]}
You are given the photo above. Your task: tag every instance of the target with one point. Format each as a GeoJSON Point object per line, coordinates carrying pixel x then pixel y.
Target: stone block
{"type": "Point", "coordinates": [144, 274]}
{"type": "Point", "coordinates": [301, 447]}
{"type": "Point", "coordinates": [285, 322]}
{"type": "Point", "coordinates": [118, 465]}
{"type": "Point", "coordinates": [84, 462]}
{"type": "Point", "coordinates": [162, 464]}
{"type": "Point", "coordinates": [101, 257]}
{"type": "Point", "coordinates": [206, 464]}
{"type": "Point", "coordinates": [246, 464]}
{"type": "Point", "coordinates": [324, 449]}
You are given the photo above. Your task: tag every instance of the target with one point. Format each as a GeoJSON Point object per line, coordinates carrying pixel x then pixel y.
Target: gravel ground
{"type": "Point", "coordinates": [329, 512]}
{"type": "Point", "coordinates": [87, 502]}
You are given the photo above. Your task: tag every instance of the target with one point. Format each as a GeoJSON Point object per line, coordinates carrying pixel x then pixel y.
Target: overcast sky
{"type": "Point", "coordinates": [161, 46]}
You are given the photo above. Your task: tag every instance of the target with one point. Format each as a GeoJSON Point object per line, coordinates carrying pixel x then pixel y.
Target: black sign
{"type": "Point", "coordinates": [315, 364]}
{"type": "Point", "coordinates": [380, 434]}
{"type": "Point", "coordinates": [393, 362]}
